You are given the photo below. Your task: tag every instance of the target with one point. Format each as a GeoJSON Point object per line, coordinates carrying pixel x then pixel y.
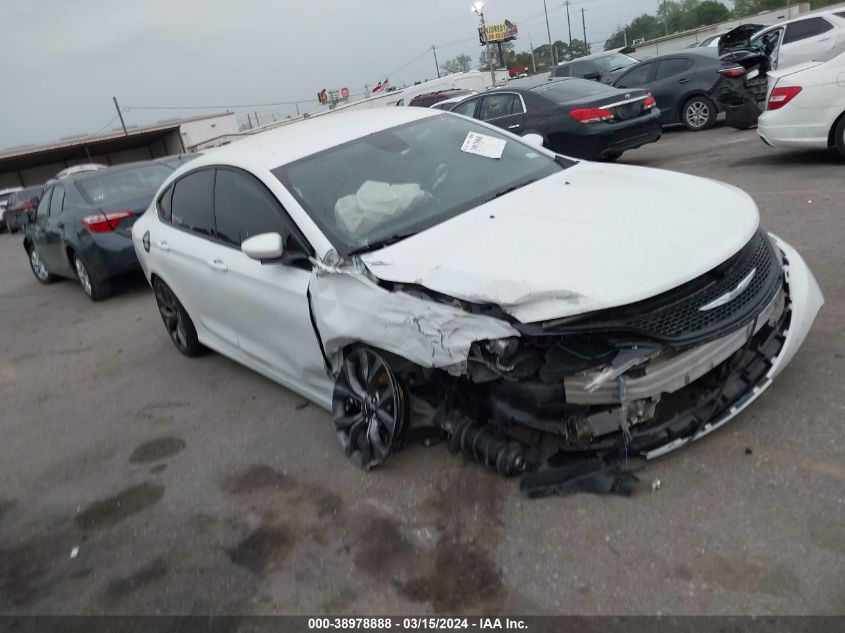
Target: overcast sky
{"type": "Point", "coordinates": [62, 61]}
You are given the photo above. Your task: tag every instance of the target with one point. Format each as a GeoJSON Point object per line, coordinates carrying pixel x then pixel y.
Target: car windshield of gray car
{"type": "Point", "coordinates": [387, 186]}
{"type": "Point", "coordinates": [123, 184]}
{"type": "Point", "coordinates": [612, 63]}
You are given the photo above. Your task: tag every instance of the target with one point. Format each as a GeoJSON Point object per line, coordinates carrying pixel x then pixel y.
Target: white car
{"type": "Point", "coordinates": [801, 39]}
{"type": "Point", "coordinates": [372, 261]}
{"type": "Point", "coordinates": [806, 105]}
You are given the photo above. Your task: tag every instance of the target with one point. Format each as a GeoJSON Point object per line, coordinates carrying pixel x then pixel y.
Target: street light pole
{"type": "Point", "coordinates": [478, 8]}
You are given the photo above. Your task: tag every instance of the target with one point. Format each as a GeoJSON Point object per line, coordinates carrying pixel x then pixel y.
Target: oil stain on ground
{"type": "Point", "coordinates": [382, 547]}
{"type": "Point", "coordinates": [156, 450]}
{"type": "Point", "coordinates": [150, 573]}
{"type": "Point", "coordinates": [113, 510]}
{"type": "Point", "coordinates": [263, 549]}
{"type": "Point", "coordinates": [255, 479]}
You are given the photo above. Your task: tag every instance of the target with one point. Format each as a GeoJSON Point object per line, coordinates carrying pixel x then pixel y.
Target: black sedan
{"type": "Point", "coordinates": [692, 88]}
{"type": "Point", "coordinates": [82, 226]}
{"type": "Point", "coordinates": [576, 117]}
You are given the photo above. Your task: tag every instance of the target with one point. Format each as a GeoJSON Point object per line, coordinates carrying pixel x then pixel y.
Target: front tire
{"type": "Point", "coordinates": [839, 137]}
{"type": "Point", "coordinates": [38, 268]}
{"type": "Point", "coordinates": [178, 324]}
{"type": "Point", "coordinates": [94, 289]}
{"type": "Point", "coordinates": [699, 114]}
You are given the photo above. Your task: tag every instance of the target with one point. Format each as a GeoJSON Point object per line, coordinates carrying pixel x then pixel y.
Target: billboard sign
{"type": "Point", "coordinates": [499, 32]}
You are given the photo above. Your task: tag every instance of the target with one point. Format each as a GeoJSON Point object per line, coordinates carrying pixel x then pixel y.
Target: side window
{"type": "Point", "coordinates": [561, 71]}
{"type": "Point", "coordinates": [582, 69]}
{"type": "Point", "coordinates": [57, 201]}
{"type": "Point", "coordinates": [243, 207]}
{"type": "Point", "coordinates": [803, 29]}
{"type": "Point", "coordinates": [495, 106]}
{"type": "Point", "coordinates": [44, 205]}
{"type": "Point", "coordinates": [672, 67]}
{"type": "Point", "coordinates": [636, 77]}
{"type": "Point", "coordinates": [193, 204]}
{"type": "Point", "coordinates": [467, 108]}
{"type": "Point", "coordinates": [165, 210]}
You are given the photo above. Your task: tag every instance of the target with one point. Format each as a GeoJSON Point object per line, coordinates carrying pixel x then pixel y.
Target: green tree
{"type": "Point", "coordinates": [459, 64]}
{"type": "Point", "coordinates": [673, 17]}
{"type": "Point", "coordinates": [579, 48]}
{"type": "Point", "coordinates": [711, 12]}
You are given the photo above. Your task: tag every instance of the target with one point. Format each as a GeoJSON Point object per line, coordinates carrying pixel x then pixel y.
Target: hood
{"type": "Point", "coordinates": [592, 237]}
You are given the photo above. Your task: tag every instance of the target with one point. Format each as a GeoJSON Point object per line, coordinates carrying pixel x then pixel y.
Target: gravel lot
{"type": "Point", "coordinates": [197, 486]}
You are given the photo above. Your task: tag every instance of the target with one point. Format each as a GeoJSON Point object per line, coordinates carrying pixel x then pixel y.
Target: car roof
{"type": "Point", "coordinates": [837, 19]}
{"type": "Point", "coordinates": [290, 142]}
{"type": "Point", "coordinates": [596, 56]}
{"type": "Point", "coordinates": [702, 56]}
{"type": "Point", "coordinates": [96, 173]}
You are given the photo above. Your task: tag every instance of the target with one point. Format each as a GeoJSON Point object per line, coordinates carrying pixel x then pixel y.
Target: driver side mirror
{"type": "Point", "coordinates": [264, 247]}
{"type": "Point", "coordinates": [594, 76]}
{"type": "Point", "coordinates": [533, 139]}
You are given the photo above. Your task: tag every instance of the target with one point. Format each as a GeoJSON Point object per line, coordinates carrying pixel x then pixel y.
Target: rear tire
{"type": "Point", "coordinates": [178, 324]}
{"type": "Point", "coordinates": [94, 289]}
{"type": "Point", "coordinates": [839, 137]}
{"type": "Point", "coordinates": [699, 114]}
{"type": "Point", "coordinates": [38, 268]}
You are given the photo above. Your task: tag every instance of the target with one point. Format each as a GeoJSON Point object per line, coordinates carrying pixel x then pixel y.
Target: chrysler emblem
{"type": "Point", "coordinates": [733, 294]}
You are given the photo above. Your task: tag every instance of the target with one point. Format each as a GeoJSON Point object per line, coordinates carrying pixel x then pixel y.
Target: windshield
{"type": "Point", "coordinates": [125, 183]}
{"type": "Point", "coordinates": [569, 89]}
{"type": "Point", "coordinates": [612, 63]}
{"type": "Point", "coordinates": [399, 181]}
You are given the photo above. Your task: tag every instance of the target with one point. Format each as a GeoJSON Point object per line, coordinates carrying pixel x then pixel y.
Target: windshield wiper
{"type": "Point", "coordinates": [387, 241]}
{"type": "Point", "coordinates": [507, 190]}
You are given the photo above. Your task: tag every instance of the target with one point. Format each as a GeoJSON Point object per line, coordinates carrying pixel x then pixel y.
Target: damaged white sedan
{"type": "Point", "coordinates": [411, 269]}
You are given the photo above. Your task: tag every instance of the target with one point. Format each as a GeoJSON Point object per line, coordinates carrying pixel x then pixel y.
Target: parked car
{"type": "Point", "coordinates": [691, 87]}
{"type": "Point", "coordinates": [81, 228]}
{"type": "Point", "coordinates": [794, 41]}
{"type": "Point", "coordinates": [19, 202]}
{"type": "Point", "coordinates": [376, 261]}
{"type": "Point", "coordinates": [603, 67]}
{"type": "Point", "coordinates": [431, 98]}
{"type": "Point", "coordinates": [177, 160]}
{"type": "Point", "coordinates": [78, 169]}
{"type": "Point", "coordinates": [806, 105]}
{"type": "Point", "coordinates": [576, 117]}
{"type": "Point", "coordinates": [5, 194]}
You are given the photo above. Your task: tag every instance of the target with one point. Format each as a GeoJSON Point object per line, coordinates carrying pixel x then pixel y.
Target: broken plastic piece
{"type": "Point", "coordinates": [590, 475]}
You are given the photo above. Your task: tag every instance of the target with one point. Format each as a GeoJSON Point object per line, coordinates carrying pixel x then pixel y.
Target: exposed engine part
{"type": "Point", "coordinates": [485, 444]}
{"type": "Point", "coordinates": [625, 360]}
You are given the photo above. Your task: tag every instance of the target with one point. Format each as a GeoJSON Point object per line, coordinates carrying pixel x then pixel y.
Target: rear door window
{"type": "Point", "coordinates": [495, 106]}
{"type": "Point", "coordinates": [57, 201]}
{"type": "Point", "coordinates": [561, 71]}
{"type": "Point", "coordinates": [672, 67]}
{"type": "Point", "coordinates": [802, 29]}
{"type": "Point", "coordinates": [165, 210]}
{"type": "Point", "coordinates": [582, 69]}
{"type": "Point", "coordinates": [193, 202]}
{"type": "Point", "coordinates": [44, 205]}
{"type": "Point", "coordinates": [467, 108]}
{"type": "Point", "coordinates": [244, 208]}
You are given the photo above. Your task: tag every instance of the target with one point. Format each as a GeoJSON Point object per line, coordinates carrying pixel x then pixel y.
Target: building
{"type": "Point", "coordinates": [34, 164]}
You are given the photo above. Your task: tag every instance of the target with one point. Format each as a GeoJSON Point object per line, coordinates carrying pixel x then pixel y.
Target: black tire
{"type": "Point", "coordinates": [93, 288]}
{"type": "Point", "coordinates": [839, 136]}
{"type": "Point", "coordinates": [38, 268]}
{"type": "Point", "coordinates": [699, 114]}
{"type": "Point", "coordinates": [178, 324]}
{"type": "Point", "coordinates": [611, 157]}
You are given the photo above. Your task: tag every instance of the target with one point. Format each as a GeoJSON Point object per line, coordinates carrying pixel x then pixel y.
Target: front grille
{"type": "Point", "coordinates": [676, 317]}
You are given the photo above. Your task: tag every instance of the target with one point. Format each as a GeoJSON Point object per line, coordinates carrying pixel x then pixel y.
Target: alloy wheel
{"type": "Point", "coordinates": [697, 114]}
{"type": "Point", "coordinates": [84, 278]}
{"type": "Point", "coordinates": [172, 315]}
{"type": "Point", "coordinates": [368, 405]}
{"type": "Point", "coordinates": [37, 266]}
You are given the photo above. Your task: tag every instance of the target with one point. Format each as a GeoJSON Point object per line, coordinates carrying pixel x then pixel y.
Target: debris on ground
{"type": "Point", "coordinates": [656, 485]}
{"type": "Point", "coordinates": [748, 451]}
{"type": "Point", "coordinates": [74, 552]}
{"type": "Point", "coordinates": [591, 475]}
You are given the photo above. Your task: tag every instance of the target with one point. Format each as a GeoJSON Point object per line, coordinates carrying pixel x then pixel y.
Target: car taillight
{"type": "Point", "coordinates": [105, 222]}
{"type": "Point", "coordinates": [781, 96]}
{"type": "Point", "coordinates": [733, 73]}
{"type": "Point", "coordinates": [649, 102]}
{"type": "Point", "coordinates": [591, 115]}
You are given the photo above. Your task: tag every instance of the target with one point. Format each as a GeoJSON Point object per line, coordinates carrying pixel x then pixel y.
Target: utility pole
{"type": "Point", "coordinates": [120, 114]}
{"type": "Point", "coordinates": [552, 55]}
{"type": "Point", "coordinates": [533, 61]}
{"type": "Point", "coordinates": [569, 24]}
{"type": "Point", "coordinates": [436, 65]}
{"type": "Point", "coordinates": [584, 24]}
{"type": "Point", "coordinates": [478, 8]}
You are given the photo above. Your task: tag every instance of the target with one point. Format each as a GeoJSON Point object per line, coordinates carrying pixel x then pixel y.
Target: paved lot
{"type": "Point", "coordinates": [196, 486]}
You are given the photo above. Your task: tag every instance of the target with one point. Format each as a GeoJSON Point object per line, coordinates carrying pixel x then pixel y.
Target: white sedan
{"type": "Point", "coordinates": [806, 105]}
{"type": "Point", "coordinates": [379, 262]}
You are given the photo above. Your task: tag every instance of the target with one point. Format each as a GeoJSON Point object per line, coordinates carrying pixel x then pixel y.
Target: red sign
{"type": "Point", "coordinates": [344, 93]}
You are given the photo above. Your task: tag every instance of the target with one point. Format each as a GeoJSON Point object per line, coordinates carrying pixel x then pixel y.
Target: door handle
{"type": "Point", "coordinates": [217, 264]}
{"type": "Point", "coordinates": [513, 127]}
{"type": "Point", "coordinates": [683, 81]}
{"type": "Point", "coordinates": [824, 39]}
{"type": "Point", "coordinates": [162, 245]}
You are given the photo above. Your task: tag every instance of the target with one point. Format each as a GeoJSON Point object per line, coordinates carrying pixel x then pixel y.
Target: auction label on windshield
{"type": "Point", "coordinates": [483, 145]}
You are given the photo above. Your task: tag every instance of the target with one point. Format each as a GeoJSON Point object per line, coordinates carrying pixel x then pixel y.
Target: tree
{"type": "Point", "coordinates": [711, 12]}
{"type": "Point", "coordinates": [674, 16]}
{"type": "Point", "coordinates": [579, 48]}
{"type": "Point", "coordinates": [459, 64]}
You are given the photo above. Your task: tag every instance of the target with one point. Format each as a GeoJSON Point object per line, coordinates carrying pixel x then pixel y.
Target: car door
{"type": "Point", "coordinates": [52, 249]}
{"type": "Point", "coordinates": [265, 302]}
{"type": "Point", "coordinates": [805, 40]}
{"type": "Point", "coordinates": [672, 81]}
{"type": "Point", "coordinates": [38, 229]}
{"type": "Point", "coordinates": [638, 77]}
{"type": "Point", "coordinates": [504, 110]}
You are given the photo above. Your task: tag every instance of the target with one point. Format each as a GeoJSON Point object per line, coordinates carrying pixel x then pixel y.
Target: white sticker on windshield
{"type": "Point", "coordinates": [483, 145]}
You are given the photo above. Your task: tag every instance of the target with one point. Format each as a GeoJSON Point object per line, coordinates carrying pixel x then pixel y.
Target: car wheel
{"type": "Point", "coordinates": [839, 136]}
{"type": "Point", "coordinates": [699, 114]}
{"type": "Point", "coordinates": [38, 268]}
{"type": "Point", "coordinates": [369, 407]}
{"type": "Point", "coordinates": [93, 288]}
{"type": "Point", "coordinates": [179, 326]}
{"type": "Point", "coordinates": [611, 157]}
